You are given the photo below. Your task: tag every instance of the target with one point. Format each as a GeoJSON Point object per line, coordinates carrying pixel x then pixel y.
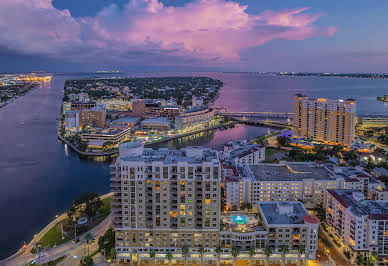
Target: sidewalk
{"type": "Point", "coordinates": [24, 253]}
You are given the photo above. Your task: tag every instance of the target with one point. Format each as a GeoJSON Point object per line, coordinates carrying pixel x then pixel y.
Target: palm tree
{"type": "Point", "coordinates": [252, 252]}
{"type": "Point", "coordinates": [284, 250]}
{"type": "Point", "coordinates": [371, 259]}
{"type": "Point", "coordinates": [201, 250]}
{"type": "Point", "coordinates": [235, 253]}
{"type": "Point", "coordinates": [268, 253]}
{"type": "Point", "coordinates": [169, 258]}
{"type": "Point", "coordinates": [185, 252]}
{"type": "Point", "coordinates": [218, 252]}
{"type": "Point", "coordinates": [152, 256]}
{"type": "Point", "coordinates": [88, 240]}
{"type": "Point", "coordinates": [301, 250]}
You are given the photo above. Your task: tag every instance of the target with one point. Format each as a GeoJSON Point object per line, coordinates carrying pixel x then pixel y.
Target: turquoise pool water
{"type": "Point", "coordinates": [239, 219]}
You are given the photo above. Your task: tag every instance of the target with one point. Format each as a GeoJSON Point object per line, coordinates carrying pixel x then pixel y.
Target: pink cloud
{"type": "Point", "coordinates": [202, 30]}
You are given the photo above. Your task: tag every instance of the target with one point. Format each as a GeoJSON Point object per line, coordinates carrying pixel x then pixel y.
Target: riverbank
{"type": "Point", "coordinates": [13, 99]}
{"type": "Point", "coordinates": [115, 152]}
{"type": "Point", "coordinates": [25, 250]}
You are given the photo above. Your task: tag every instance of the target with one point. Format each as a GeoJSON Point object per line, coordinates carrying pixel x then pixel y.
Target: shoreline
{"type": "Point", "coordinates": [13, 99]}
{"type": "Point", "coordinates": [116, 151]}
{"type": "Point", "coordinates": [42, 232]}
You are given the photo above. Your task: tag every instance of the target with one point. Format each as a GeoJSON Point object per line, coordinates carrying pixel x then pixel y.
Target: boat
{"type": "Point", "coordinates": [21, 123]}
{"type": "Point", "coordinates": [383, 98]}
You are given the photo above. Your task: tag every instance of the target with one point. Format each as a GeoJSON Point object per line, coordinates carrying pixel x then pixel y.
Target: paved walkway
{"type": "Point", "coordinates": [23, 256]}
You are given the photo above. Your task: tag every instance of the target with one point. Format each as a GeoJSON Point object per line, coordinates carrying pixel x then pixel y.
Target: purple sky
{"type": "Point", "coordinates": [150, 35]}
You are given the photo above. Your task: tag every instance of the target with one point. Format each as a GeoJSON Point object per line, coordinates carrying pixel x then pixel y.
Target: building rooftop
{"type": "Point", "coordinates": [133, 151]}
{"type": "Point", "coordinates": [132, 120]}
{"type": "Point", "coordinates": [156, 120]}
{"type": "Point", "coordinates": [280, 212]}
{"type": "Point", "coordinates": [354, 201]}
{"type": "Point", "coordinates": [286, 172]}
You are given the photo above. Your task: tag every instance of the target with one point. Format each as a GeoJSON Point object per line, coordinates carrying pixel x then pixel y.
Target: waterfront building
{"type": "Point", "coordinates": [71, 121]}
{"type": "Point", "coordinates": [159, 123]}
{"type": "Point", "coordinates": [165, 200]}
{"type": "Point", "coordinates": [243, 151]}
{"type": "Point", "coordinates": [152, 107]}
{"type": "Point", "coordinates": [92, 117]}
{"type": "Point", "coordinates": [98, 137]}
{"type": "Point", "coordinates": [330, 121]}
{"type": "Point", "coordinates": [372, 122]}
{"type": "Point", "coordinates": [360, 224]}
{"type": "Point", "coordinates": [195, 118]}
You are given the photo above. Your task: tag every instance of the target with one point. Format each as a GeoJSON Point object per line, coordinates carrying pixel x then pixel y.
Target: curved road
{"type": "Point", "coordinates": [25, 257]}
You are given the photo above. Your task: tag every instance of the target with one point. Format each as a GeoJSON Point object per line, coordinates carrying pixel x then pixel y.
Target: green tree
{"type": "Point", "coordinates": [283, 141]}
{"type": "Point", "coordinates": [169, 258]}
{"type": "Point", "coordinates": [112, 253]}
{"type": "Point", "coordinates": [235, 253]}
{"type": "Point", "coordinates": [88, 239]}
{"type": "Point", "coordinates": [218, 254]}
{"type": "Point", "coordinates": [153, 256]}
{"type": "Point", "coordinates": [284, 250]}
{"type": "Point", "coordinates": [185, 252]}
{"type": "Point", "coordinates": [268, 253]}
{"type": "Point", "coordinates": [301, 250]}
{"type": "Point", "coordinates": [201, 250]}
{"type": "Point", "coordinates": [320, 211]}
{"type": "Point", "coordinates": [252, 253]}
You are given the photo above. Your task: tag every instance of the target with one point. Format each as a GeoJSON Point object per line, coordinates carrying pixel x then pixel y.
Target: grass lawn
{"type": "Point", "coordinates": [104, 210]}
{"type": "Point", "coordinates": [53, 237]}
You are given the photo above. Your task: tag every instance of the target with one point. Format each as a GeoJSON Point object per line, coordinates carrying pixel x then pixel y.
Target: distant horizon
{"type": "Point", "coordinates": [193, 35]}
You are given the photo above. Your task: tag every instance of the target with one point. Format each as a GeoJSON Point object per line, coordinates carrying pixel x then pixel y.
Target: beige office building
{"type": "Point", "coordinates": [330, 121]}
{"type": "Point", "coordinates": [164, 200]}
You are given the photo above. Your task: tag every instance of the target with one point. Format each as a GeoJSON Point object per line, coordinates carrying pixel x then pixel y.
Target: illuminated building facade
{"type": "Point", "coordinates": [165, 199]}
{"type": "Point", "coordinates": [362, 225]}
{"type": "Point", "coordinates": [331, 121]}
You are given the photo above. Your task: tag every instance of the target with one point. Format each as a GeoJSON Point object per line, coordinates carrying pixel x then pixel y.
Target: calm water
{"type": "Point", "coordinates": [39, 179]}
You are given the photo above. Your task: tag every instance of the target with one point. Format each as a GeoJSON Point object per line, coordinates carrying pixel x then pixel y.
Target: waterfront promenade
{"type": "Point", "coordinates": [23, 256]}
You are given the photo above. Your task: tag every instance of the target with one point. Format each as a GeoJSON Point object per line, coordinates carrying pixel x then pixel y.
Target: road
{"type": "Point", "coordinates": [335, 252]}
{"type": "Point", "coordinates": [65, 249]}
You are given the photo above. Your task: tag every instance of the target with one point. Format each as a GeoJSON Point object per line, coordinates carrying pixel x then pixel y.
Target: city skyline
{"type": "Point", "coordinates": [197, 35]}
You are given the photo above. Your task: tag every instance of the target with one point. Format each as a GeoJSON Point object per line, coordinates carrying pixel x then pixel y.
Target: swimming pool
{"type": "Point", "coordinates": [239, 219]}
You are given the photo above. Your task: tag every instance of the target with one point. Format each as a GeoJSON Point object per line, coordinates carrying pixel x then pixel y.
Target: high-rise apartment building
{"type": "Point", "coordinates": [331, 121]}
{"type": "Point", "coordinates": [165, 199]}
{"type": "Point", "coordinates": [362, 225]}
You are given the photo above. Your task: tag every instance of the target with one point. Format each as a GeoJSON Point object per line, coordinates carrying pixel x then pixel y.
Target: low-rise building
{"type": "Point", "coordinates": [243, 152]}
{"type": "Point", "coordinates": [113, 135]}
{"type": "Point", "coordinates": [159, 123]}
{"type": "Point", "coordinates": [360, 224]}
{"type": "Point", "coordinates": [289, 224]}
{"type": "Point", "coordinates": [125, 122]}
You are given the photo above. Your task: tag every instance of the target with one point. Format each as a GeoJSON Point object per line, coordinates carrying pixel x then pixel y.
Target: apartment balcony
{"type": "Point", "coordinates": [116, 197]}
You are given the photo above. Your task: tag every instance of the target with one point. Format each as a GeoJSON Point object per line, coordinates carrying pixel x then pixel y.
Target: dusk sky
{"type": "Point", "coordinates": [194, 35]}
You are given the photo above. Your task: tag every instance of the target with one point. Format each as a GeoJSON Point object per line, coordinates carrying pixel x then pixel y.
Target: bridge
{"type": "Point", "coordinates": [263, 118]}
{"type": "Point", "coordinates": [266, 115]}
